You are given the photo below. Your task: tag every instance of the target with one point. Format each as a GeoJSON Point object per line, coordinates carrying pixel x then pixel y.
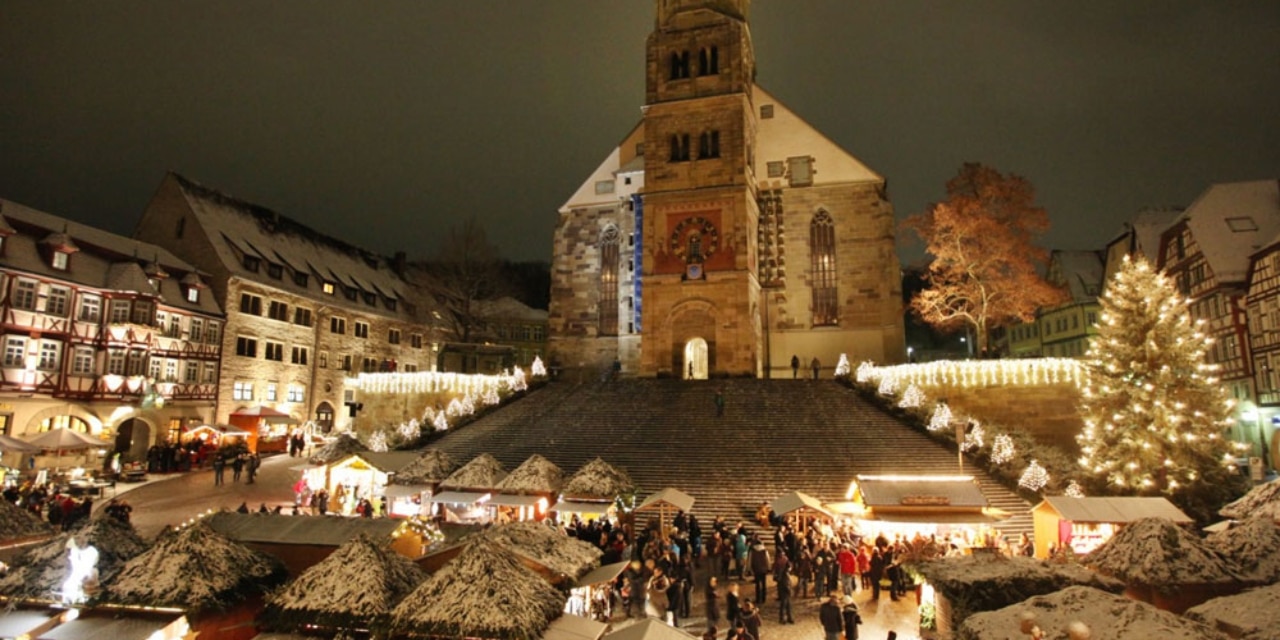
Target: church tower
{"type": "Point", "coordinates": [699, 218]}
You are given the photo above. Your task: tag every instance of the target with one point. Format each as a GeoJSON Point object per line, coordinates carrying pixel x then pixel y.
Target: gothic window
{"type": "Point", "coordinates": [609, 281]}
{"type": "Point", "coordinates": [709, 144]}
{"type": "Point", "coordinates": [680, 147]}
{"type": "Point", "coordinates": [822, 251]}
{"type": "Point", "coordinates": [679, 65]}
{"type": "Point", "coordinates": [709, 61]}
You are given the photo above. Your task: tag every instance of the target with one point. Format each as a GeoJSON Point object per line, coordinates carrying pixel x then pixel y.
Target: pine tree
{"type": "Point", "coordinates": [1154, 411]}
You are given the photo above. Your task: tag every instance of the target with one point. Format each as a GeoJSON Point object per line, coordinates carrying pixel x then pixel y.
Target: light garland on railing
{"type": "Point", "coordinates": [978, 373]}
{"type": "Point", "coordinates": [437, 382]}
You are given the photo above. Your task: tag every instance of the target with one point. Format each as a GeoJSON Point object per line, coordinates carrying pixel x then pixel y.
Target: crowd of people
{"type": "Point", "coordinates": [45, 501]}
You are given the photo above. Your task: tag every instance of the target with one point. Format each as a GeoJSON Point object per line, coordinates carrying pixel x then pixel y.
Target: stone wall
{"type": "Point", "coordinates": [1049, 413]}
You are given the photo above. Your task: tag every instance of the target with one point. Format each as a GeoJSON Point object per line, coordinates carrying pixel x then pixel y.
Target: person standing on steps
{"type": "Point", "coordinates": [719, 402]}
{"type": "Point", "coordinates": [815, 365]}
{"type": "Point", "coordinates": [795, 366]}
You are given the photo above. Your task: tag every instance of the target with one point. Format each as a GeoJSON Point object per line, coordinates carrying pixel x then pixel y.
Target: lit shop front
{"type": "Point", "coordinates": [1083, 524]}
{"type": "Point", "coordinates": [893, 505]}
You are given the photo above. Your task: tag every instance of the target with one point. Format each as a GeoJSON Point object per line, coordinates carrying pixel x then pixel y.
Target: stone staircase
{"type": "Point", "coordinates": [776, 436]}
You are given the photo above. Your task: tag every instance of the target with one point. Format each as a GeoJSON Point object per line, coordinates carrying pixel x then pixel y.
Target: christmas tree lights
{"type": "Point", "coordinates": [1002, 449]}
{"type": "Point", "coordinates": [1034, 478]}
{"type": "Point", "coordinates": [941, 417]}
{"type": "Point", "coordinates": [912, 397]}
{"type": "Point", "coordinates": [842, 367]}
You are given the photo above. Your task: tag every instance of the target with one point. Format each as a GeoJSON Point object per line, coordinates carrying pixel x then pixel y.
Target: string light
{"type": "Point", "coordinates": [1002, 449]}
{"type": "Point", "coordinates": [912, 397]}
{"type": "Point", "coordinates": [1034, 478]}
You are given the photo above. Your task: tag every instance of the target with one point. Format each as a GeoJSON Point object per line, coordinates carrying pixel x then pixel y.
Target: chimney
{"type": "Point", "coordinates": [399, 262]}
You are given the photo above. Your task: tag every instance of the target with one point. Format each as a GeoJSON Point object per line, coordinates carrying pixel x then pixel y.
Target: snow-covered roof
{"type": "Point", "coordinates": [343, 445]}
{"type": "Point", "coordinates": [1148, 224]}
{"type": "Point", "coordinates": [602, 574]}
{"type": "Point", "coordinates": [795, 500]}
{"type": "Point", "coordinates": [17, 523]}
{"type": "Point", "coordinates": [356, 586]}
{"type": "Point", "coordinates": [42, 569]}
{"type": "Point", "coordinates": [598, 479]}
{"type": "Point", "coordinates": [194, 568]}
{"type": "Point", "coordinates": [115, 624]}
{"type": "Point", "coordinates": [431, 466]}
{"type": "Point", "coordinates": [482, 472]}
{"type": "Point", "coordinates": [992, 578]}
{"type": "Point", "coordinates": [1253, 546]}
{"type": "Point", "coordinates": [1252, 615]}
{"type": "Point", "coordinates": [1158, 553]}
{"type": "Point", "coordinates": [649, 629]}
{"type": "Point", "coordinates": [1081, 272]}
{"type": "Point", "coordinates": [507, 308]}
{"type": "Point", "coordinates": [1264, 499]}
{"type": "Point", "coordinates": [103, 260]}
{"type": "Point", "coordinates": [571, 627]}
{"type": "Point", "coordinates": [535, 475]}
{"type": "Point", "coordinates": [948, 491]}
{"type": "Point", "coordinates": [1230, 221]}
{"type": "Point", "coordinates": [1109, 617]}
{"type": "Point", "coordinates": [386, 461]}
{"type": "Point", "coordinates": [1114, 510]}
{"type": "Point", "coordinates": [669, 496]}
{"type": "Point", "coordinates": [300, 530]}
{"type": "Point", "coordinates": [549, 547]}
{"type": "Point", "coordinates": [486, 592]}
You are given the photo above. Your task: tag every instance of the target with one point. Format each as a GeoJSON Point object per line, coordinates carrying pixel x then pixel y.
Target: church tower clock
{"type": "Point", "coordinates": [699, 206]}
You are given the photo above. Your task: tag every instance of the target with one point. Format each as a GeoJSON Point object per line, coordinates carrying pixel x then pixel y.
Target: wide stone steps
{"type": "Point", "coordinates": [776, 436]}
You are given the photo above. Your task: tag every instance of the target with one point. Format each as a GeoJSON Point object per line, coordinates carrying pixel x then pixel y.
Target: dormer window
{"type": "Point", "coordinates": [300, 278]}
{"type": "Point", "coordinates": [327, 288]}
{"type": "Point", "coordinates": [193, 295]}
{"type": "Point", "coordinates": [251, 263]}
{"type": "Point", "coordinates": [60, 260]}
{"type": "Point", "coordinates": [275, 271]}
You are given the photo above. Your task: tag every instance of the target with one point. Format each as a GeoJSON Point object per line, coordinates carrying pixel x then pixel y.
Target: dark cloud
{"type": "Point", "coordinates": [380, 123]}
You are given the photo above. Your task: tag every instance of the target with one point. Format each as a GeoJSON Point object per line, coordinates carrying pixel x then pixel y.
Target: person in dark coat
{"type": "Point", "coordinates": [830, 616]}
{"type": "Point", "coordinates": [732, 605]}
{"type": "Point", "coordinates": [712, 601]}
{"type": "Point", "coordinates": [877, 572]}
{"type": "Point", "coordinates": [851, 618]}
{"type": "Point", "coordinates": [219, 465]}
{"type": "Point", "coordinates": [252, 465]}
{"type": "Point", "coordinates": [795, 367]}
{"type": "Point", "coordinates": [761, 566]}
{"type": "Point", "coordinates": [784, 596]}
{"type": "Point", "coordinates": [237, 466]}
{"type": "Point", "coordinates": [751, 619]}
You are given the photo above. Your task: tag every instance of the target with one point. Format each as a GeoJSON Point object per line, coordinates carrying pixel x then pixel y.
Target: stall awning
{"type": "Point", "coordinates": [601, 575]}
{"type": "Point", "coordinates": [1113, 509]}
{"type": "Point", "coordinates": [795, 501]}
{"type": "Point", "coordinates": [577, 506]}
{"type": "Point", "coordinates": [506, 500]}
{"type": "Point", "coordinates": [459, 497]}
{"type": "Point", "coordinates": [404, 490]}
{"type": "Point", "coordinates": [670, 496]}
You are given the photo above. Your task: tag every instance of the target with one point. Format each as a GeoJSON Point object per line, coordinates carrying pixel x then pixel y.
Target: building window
{"type": "Point", "coordinates": [119, 311]}
{"type": "Point", "coordinates": [136, 364]}
{"type": "Point", "coordinates": [56, 304]}
{"type": "Point", "coordinates": [709, 144]}
{"type": "Point", "coordinates": [210, 372]}
{"type": "Point", "coordinates": [271, 392]}
{"type": "Point", "coordinates": [327, 288]}
{"type": "Point", "coordinates": [776, 169]}
{"type": "Point", "coordinates": [250, 304]}
{"type": "Point", "coordinates": [15, 352]}
{"type": "Point", "coordinates": [242, 391]}
{"type": "Point", "coordinates": [415, 340]}
{"type": "Point", "coordinates": [274, 351]}
{"type": "Point", "coordinates": [609, 256]}
{"type": "Point", "coordinates": [143, 312]}
{"type": "Point", "coordinates": [370, 365]}
{"type": "Point", "coordinates": [766, 111]}
{"type": "Point", "coordinates": [362, 329]}
{"type": "Point", "coordinates": [211, 334]}
{"type": "Point", "coordinates": [247, 347]}
{"type": "Point", "coordinates": [193, 294]}
{"type": "Point", "coordinates": [197, 330]}
{"type": "Point", "coordinates": [393, 336]}
{"type": "Point", "coordinates": [409, 367]}
{"type": "Point", "coordinates": [679, 65]}
{"type": "Point", "coordinates": [351, 293]}
{"type": "Point", "coordinates": [302, 316]}
{"type": "Point", "coordinates": [299, 355]}
{"type": "Point", "coordinates": [153, 368]}
{"type": "Point", "coordinates": [322, 359]}
{"type": "Point", "coordinates": [251, 263]}
{"type": "Point", "coordinates": [90, 308]}
{"type": "Point", "coordinates": [295, 394]}
{"type": "Point", "coordinates": [709, 61]}
{"type": "Point", "coordinates": [346, 362]}
{"type": "Point", "coordinates": [275, 271]}
{"type": "Point", "coordinates": [337, 325]}
{"type": "Point", "coordinates": [70, 423]}
{"type": "Point", "coordinates": [822, 248]}
{"type": "Point", "coordinates": [24, 294]}
{"type": "Point", "coordinates": [277, 310]}
{"type": "Point", "coordinates": [115, 362]}
{"type": "Point", "coordinates": [370, 299]}
{"type": "Point", "coordinates": [192, 373]}
{"type": "Point", "coordinates": [604, 187]}
{"type": "Point", "coordinates": [82, 361]}
{"type": "Point", "coordinates": [801, 171]}
{"type": "Point", "coordinates": [179, 229]}
{"type": "Point", "coordinates": [175, 326]}
{"type": "Point", "coordinates": [680, 147]}
{"type": "Point", "coordinates": [60, 260]}
{"type": "Point", "coordinates": [170, 370]}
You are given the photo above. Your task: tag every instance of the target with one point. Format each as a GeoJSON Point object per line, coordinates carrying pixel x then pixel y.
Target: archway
{"type": "Point", "coordinates": [695, 359]}
{"type": "Point", "coordinates": [324, 417]}
{"type": "Point", "coordinates": [133, 437]}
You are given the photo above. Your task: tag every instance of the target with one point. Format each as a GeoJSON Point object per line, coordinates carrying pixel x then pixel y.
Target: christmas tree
{"type": "Point", "coordinates": [1154, 410]}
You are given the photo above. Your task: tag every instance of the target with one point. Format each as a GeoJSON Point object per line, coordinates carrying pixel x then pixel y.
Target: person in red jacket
{"type": "Point", "coordinates": [848, 568]}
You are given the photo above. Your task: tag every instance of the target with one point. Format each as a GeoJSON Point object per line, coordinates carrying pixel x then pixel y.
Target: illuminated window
{"type": "Point", "coordinates": [15, 352]}
{"type": "Point", "coordinates": [24, 294]}
{"type": "Point", "coordinates": [822, 252]}
{"type": "Point", "coordinates": [327, 288]}
{"type": "Point", "coordinates": [56, 304]}
{"type": "Point", "coordinates": [242, 391]}
{"type": "Point", "coordinates": [60, 260]}
{"type": "Point", "coordinates": [295, 394]}
{"type": "Point", "coordinates": [90, 308]}
{"type": "Point", "coordinates": [609, 281]}
{"type": "Point", "coordinates": [153, 368]}
{"type": "Point", "coordinates": [71, 423]}
{"type": "Point", "coordinates": [271, 392]}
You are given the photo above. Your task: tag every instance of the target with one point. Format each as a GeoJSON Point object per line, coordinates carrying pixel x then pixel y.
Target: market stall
{"type": "Point", "coordinates": [592, 594]}
{"type": "Point", "coordinates": [527, 491]}
{"type": "Point", "coordinates": [412, 487]}
{"type": "Point", "coordinates": [268, 428]}
{"type": "Point", "coordinates": [1083, 524]}
{"type": "Point", "coordinates": [591, 493]}
{"type": "Point", "coordinates": [942, 506]}
{"type": "Point", "coordinates": [363, 475]}
{"type": "Point", "coordinates": [801, 511]}
{"type": "Point", "coordinates": [464, 493]}
{"type": "Point", "coordinates": [666, 504]}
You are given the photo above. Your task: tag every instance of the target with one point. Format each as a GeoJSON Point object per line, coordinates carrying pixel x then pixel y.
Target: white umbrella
{"type": "Point", "coordinates": [10, 443]}
{"type": "Point", "coordinates": [64, 440]}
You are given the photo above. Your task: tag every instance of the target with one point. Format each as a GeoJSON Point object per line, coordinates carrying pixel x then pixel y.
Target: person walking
{"type": "Point", "coordinates": [252, 465]}
{"type": "Point", "coordinates": [849, 613]}
{"type": "Point", "coordinates": [712, 601]}
{"type": "Point", "coordinates": [237, 466]}
{"type": "Point", "coordinates": [815, 365]}
{"type": "Point", "coordinates": [732, 605]}
{"type": "Point", "coordinates": [219, 466]}
{"type": "Point", "coordinates": [848, 568]}
{"type": "Point", "coordinates": [719, 402]}
{"type": "Point", "coordinates": [832, 620]}
{"type": "Point", "coordinates": [795, 366]}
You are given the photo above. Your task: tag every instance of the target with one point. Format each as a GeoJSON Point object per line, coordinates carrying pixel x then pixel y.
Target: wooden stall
{"type": "Point", "coordinates": [1083, 524]}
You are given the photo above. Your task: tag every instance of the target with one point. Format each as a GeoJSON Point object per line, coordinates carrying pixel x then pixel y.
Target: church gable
{"type": "Point", "coordinates": [783, 135]}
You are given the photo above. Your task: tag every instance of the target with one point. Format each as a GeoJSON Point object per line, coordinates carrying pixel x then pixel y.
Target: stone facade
{"type": "Point", "coordinates": [724, 235]}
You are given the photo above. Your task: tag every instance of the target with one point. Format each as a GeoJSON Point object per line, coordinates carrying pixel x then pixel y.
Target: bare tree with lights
{"type": "Point", "coordinates": [1155, 412]}
{"type": "Point", "coordinates": [466, 270]}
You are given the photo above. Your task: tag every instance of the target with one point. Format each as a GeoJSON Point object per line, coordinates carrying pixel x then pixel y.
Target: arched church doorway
{"type": "Point", "coordinates": [133, 437]}
{"type": "Point", "coordinates": [695, 359]}
{"type": "Point", "coordinates": [324, 418]}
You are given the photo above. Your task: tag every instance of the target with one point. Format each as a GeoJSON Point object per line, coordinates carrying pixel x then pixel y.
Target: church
{"type": "Point", "coordinates": [724, 236]}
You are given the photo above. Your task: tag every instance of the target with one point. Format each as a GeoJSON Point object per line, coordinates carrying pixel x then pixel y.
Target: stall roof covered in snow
{"type": "Point", "coordinates": [1158, 553]}
{"type": "Point", "coordinates": [483, 472]}
{"type": "Point", "coordinates": [1109, 617]}
{"type": "Point", "coordinates": [549, 547]}
{"type": "Point", "coordinates": [1252, 615]}
{"type": "Point", "coordinates": [795, 501]}
{"type": "Point", "coordinates": [355, 587]}
{"type": "Point", "coordinates": [600, 480]}
{"type": "Point", "coordinates": [1263, 499]}
{"type": "Point", "coordinates": [1253, 546]}
{"type": "Point", "coordinates": [343, 445]}
{"type": "Point", "coordinates": [194, 568]}
{"type": "Point", "coordinates": [1113, 509]}
{"type": "Point", "coordinates": [649, 629]}
{"type": "Point", "coordinates": [430, 467]}
{"type": "Point", "coordinates": [42, 569]}
{"type": "Point", "coordinates": [945, 491]}
{"type": "Point", "coordinates": [669, 496]}
{"type": "Point", "coordinates": [535, 475]}
{"type": "Point", "coordinates": [17, 523]}
{"type": "Point", "coordinates": [483, 593]}
{"type": "Point", "coordinates": [385, 461]}
{"type": "Point", "coordinates": [302, 530]}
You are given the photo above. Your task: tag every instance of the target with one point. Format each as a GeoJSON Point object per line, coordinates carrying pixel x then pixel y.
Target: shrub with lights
{"type": "Point", "coordinates": [1155, 412]}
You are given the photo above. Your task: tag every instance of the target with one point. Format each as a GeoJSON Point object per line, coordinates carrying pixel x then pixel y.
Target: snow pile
{"type": "Point", "coordinates": [535, 475]}
{"type": "Point", "coordinates": [975, 583]}
{"type": "Point", "coordinates": [1263, 499]}
{"type": "Point", "coordinates": [1254, 547]}
{"type": "Point", "coordinates": [355, 587]}
{"type": "Point", "coordinates": [483, 472]}
{"type": "Point", "coordinates": [1252, 615]}
{"type": "Point", "coordinates": [340, 447]}
{"type": "Point", "coordinates": [17, 523]}
{"type": "Point", "coordinates": [196, 569]}
{"type": "Point", "coordinates": [550, 548]}
{"type": "Point", "coordinates": [1109, 617]}
{"type": "Point", "coordinates": [598, 479]}
{"type": "Point", "coordinates": [42, 569]}
{"type": "Point", "coordinates": [483, 593]}
{"type": "Point", "coordinates": [1158, 553]}
{"type": "Point", "coordinates": [431, 467]}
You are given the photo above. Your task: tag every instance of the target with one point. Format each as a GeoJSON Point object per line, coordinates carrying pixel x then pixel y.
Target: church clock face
{"type": "Point", "coordinates": [695, 239]}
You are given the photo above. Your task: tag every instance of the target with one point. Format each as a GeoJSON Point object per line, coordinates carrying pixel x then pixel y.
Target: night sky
{"type": "Point", "coordinates": [382, 123]}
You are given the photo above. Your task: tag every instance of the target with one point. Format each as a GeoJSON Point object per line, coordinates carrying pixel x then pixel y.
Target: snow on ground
{"type": "Point", "coordinates": [1108, 617]}
{"type": "Point", "coordinates": [17, 523]}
